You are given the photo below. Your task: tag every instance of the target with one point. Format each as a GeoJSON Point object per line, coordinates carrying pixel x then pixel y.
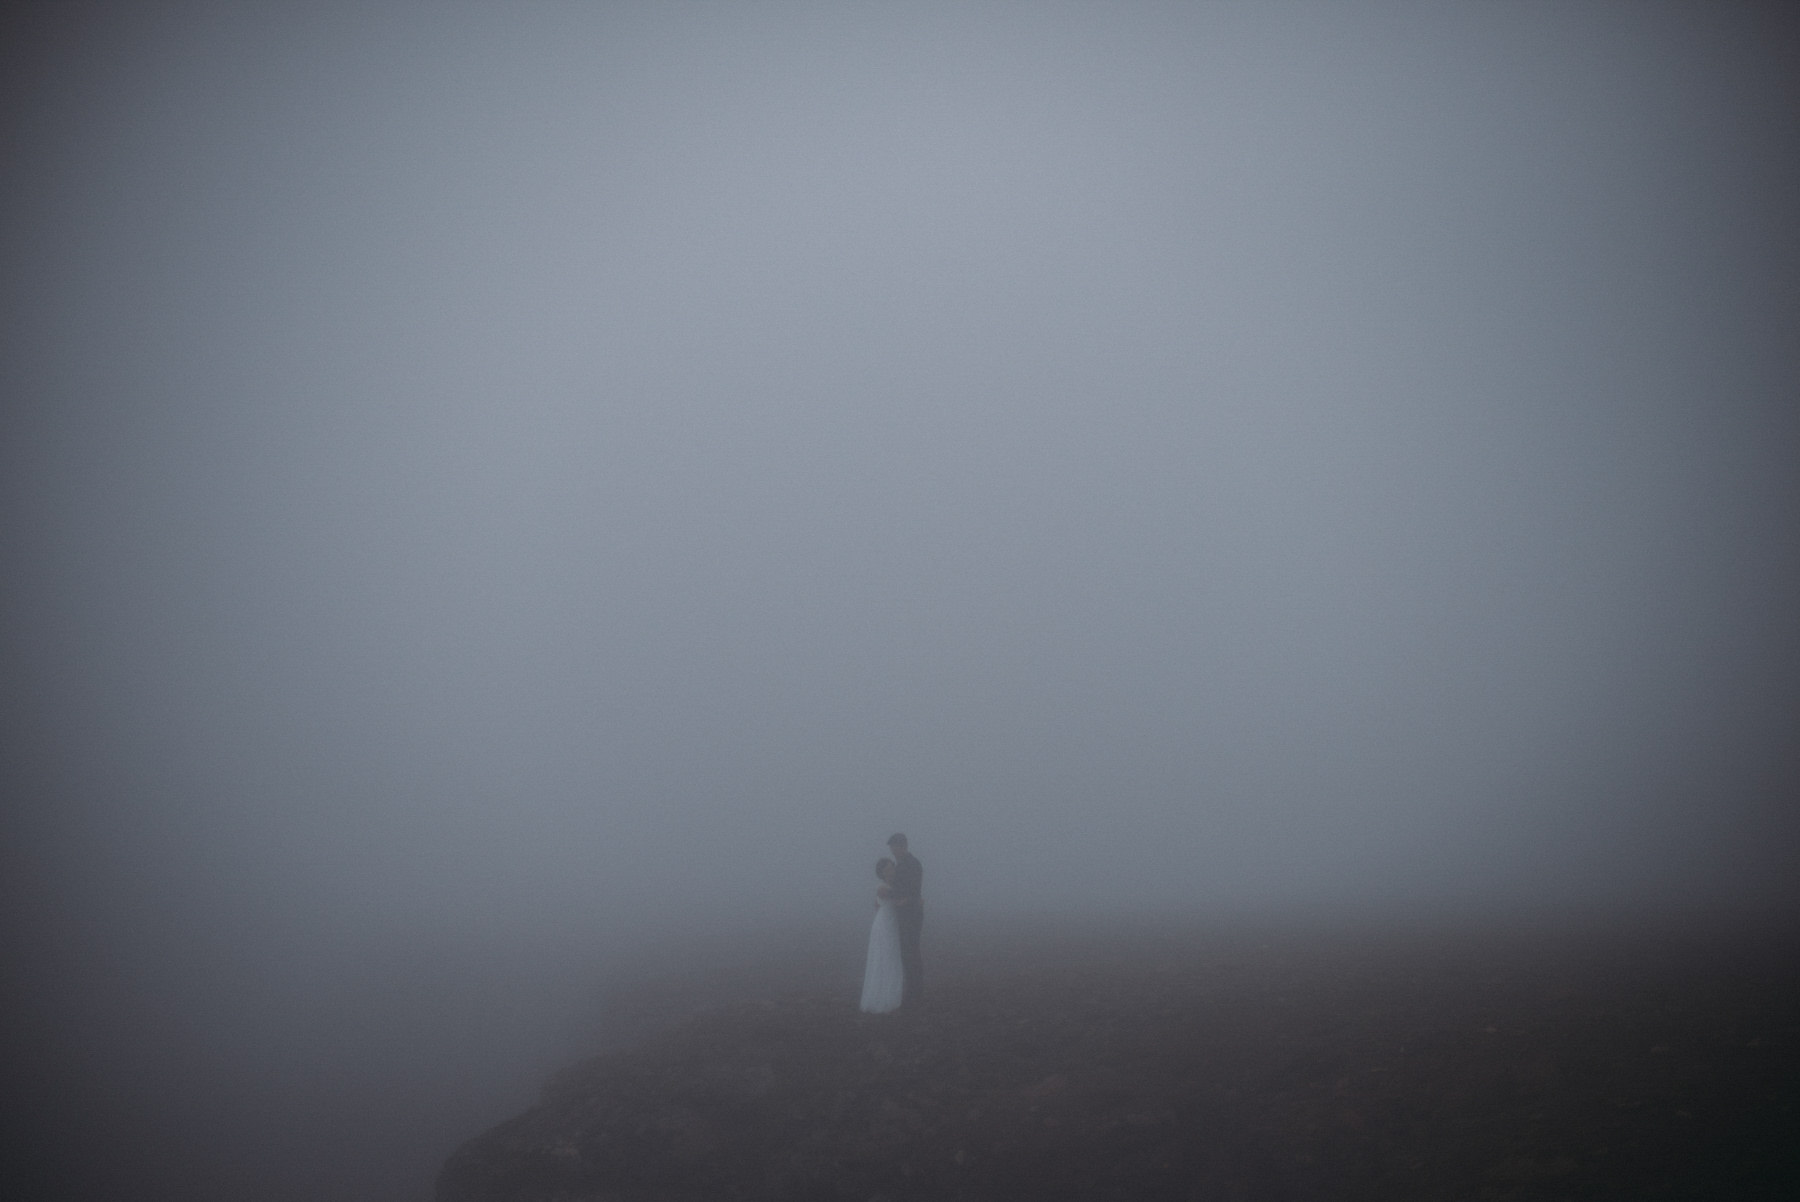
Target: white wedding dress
{"type": "Point", "coordinates": [883, 974]}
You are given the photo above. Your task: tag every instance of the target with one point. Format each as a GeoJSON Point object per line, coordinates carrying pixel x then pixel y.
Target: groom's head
{"type": "Point", "coordinates": [897, 842]}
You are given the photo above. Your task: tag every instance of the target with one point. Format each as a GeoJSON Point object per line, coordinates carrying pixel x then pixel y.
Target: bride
{"type": "Point", "coordinates": [883, 974]}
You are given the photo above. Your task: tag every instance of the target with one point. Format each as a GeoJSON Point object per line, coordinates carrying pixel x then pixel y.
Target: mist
{"type": "Point", "coordinates": [489, 488]}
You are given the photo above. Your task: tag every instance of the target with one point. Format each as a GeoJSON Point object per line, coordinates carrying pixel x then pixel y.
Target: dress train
{"type": "Point", "coordinates": [884, 974]}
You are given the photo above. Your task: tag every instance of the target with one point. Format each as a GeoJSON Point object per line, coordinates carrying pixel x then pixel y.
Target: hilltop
{"type": "Point", "coordinates": [1179, 1067]}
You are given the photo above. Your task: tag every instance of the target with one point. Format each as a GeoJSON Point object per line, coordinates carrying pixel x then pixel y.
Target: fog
{"type": "Point", "coordinates": [486, 487]}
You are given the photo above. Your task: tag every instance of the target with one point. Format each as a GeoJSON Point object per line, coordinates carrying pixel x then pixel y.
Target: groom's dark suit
{"type": "Point", "coordinates": [906, 889]}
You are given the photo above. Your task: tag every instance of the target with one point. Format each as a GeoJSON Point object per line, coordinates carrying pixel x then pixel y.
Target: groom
{"type": "Point", "coordinates": [909, 910]}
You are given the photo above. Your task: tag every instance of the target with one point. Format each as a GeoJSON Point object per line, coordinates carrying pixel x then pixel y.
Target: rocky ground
{"type": "Point", "coordinates": [1185, 1066]}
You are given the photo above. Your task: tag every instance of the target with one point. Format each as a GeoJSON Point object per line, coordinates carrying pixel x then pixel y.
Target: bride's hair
{"type": "Point", "coordinates": [881, 864]}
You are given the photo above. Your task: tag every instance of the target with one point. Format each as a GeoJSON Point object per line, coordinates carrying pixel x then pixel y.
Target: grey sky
{"type": "Point", "coordinates": [612, 462]}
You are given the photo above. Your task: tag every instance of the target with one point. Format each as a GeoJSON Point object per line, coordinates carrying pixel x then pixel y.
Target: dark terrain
{"type": "Point", "coordinates": [1183, 1065]}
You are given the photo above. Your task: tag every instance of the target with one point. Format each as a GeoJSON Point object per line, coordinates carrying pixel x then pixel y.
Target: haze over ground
{"type": "Point", "coordinates": [483, 484]}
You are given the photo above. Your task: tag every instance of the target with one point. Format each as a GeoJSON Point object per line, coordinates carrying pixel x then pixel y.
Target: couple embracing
{"type": "Point", "coordinates": [894, 975]}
